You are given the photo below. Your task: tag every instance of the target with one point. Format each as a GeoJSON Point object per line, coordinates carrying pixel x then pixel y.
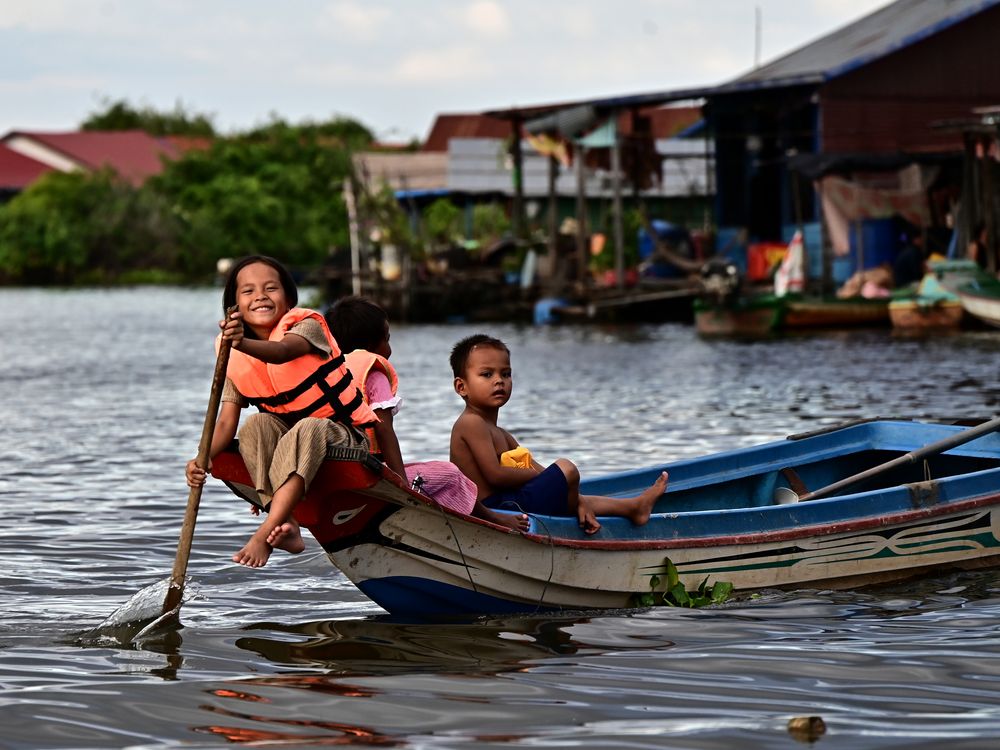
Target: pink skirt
{"type": "Point", "coordinates": [443, 481]}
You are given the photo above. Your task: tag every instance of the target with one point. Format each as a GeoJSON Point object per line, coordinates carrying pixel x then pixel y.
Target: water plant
{"type": "Point", "coordinates": [675, 594]}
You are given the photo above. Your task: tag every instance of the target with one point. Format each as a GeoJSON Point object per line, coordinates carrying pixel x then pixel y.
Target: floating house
{"type": "Point", "coordinates": [838, 137]}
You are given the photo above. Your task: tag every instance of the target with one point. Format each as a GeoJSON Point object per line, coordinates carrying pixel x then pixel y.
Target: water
{"type": "Point", "coordinates": [103, 396]}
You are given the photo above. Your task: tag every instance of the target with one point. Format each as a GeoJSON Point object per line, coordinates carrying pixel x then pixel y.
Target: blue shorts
{"type": "Point", "coordinates": [543, 495]}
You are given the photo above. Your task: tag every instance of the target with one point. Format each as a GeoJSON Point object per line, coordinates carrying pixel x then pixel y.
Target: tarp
{"type": "Point", "coordinates": [845, 202]}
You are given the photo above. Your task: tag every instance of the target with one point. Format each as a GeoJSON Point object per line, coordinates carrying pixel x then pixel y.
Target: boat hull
{"type": "Point", "coordinates": [916, 316]}
{"type": "Point", "coordinates": [722, 519]}
{"type": "Point", "coordinates": [769, 314]}
{"type": "Point", "coordinates": [463, 568]}
{"type": "Point", "coordinates": [835, 313]}
{"type": "Point", "coordinates": [982, 302]}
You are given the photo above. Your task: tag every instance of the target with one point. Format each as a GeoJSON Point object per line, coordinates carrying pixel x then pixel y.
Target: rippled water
{"type": "Point", "coordinates": [103, 396]}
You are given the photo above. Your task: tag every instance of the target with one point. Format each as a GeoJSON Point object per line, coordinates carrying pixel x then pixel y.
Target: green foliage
{"type": "Point", "coordinates": [442, 220]}
{"type": "Point", "coordinates": [387, 219]}
{"type": "Point", "coordinates": [120, 115]}
{"type": "Point", "coordinates": [631, 224]}
{"type": "Point", "coordinates": [70, 224]}
{"type": "Point", "coordinates": [489, 222]}
{"type": "Point", "coordinates": [674, 594]}
{"type": "Point", "coordinates": [277, 191]}
{"type": "Point", "coordinates": [340, 131]}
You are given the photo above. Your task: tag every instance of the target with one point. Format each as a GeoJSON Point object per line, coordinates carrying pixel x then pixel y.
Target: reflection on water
{"type": "Point", "coordinates": [100, 418]}
{"type": "Point", "coordinates": [382, 646]}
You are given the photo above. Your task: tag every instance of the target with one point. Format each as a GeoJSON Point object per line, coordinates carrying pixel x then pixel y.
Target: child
{"type": "Point", "coordinates": [361, 327]}
{"type": "Point", "coordinates": [505, 473]}
{"type": "Point", "coordinates": [285, 362]}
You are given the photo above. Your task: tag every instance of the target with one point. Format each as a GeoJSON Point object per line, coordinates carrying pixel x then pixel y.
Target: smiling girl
{"type": "Point", "coordinates": [285, 362]}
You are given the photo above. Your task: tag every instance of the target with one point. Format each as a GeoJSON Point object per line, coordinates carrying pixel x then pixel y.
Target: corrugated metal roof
{"type": "Point", "coordinates": [880, 33]}
{"type": "Point", "coordinates": [134, 154]}
{"type": "Point", "coordinates": [17, 171]}
{"type": "Point", "coordinates": [871, 37]}
{"type": "Point", "coordinates": [403, 171]}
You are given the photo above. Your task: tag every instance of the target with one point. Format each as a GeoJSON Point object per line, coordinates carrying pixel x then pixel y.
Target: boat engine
{"type": "Point", "coordinates": [720, 280]}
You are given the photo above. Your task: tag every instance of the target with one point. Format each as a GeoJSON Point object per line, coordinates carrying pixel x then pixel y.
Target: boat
{"type": "Point", "coordinates": [930, 307]}
{"type": "Point", "coordinates": [981, 299]}
{"type": "Point", "coordinates": [766, 314]}
{"type": "Point", "coordinates": [841, 507]}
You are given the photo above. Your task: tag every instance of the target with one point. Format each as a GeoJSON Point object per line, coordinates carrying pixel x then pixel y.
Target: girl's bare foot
{"type": "Point", "coordinates": [288, 537]}
{"type": "Point", "coordinates": [254, 553]}
{"type": "Point", "coordinates": [517, 522]}
{"type": "Point", "coordinates": [643, 504]}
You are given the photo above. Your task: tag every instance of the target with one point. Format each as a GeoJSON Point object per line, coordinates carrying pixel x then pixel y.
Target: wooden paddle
{"type": "Point", "coordinates": [175, 591]}
{"type": "Point", "coordinates": [919, 454]}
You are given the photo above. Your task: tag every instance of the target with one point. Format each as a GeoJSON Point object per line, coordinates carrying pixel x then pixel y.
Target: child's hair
{"type": "Point", "coordinates": [357, 323]}
{"type": "Point", "coordinates": [461, 351]}
{"type": "Point", "coordinates": [287, 282]}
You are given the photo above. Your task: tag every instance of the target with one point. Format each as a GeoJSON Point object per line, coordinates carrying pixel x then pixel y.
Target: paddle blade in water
{"type": "Point", "coordinates": [143, 606]}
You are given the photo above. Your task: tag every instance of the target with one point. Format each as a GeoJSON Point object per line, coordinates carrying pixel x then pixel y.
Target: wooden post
{"type": "Point", "coordinates": [616, 182]}
{"type": "Point", "coordinates": [553, 217]}
{"type": "Point", "coordinates": [517, 206]}
{"type": "Point", "coordinates": [989, 219]}
{"type": "Point", "coordinates": [352, 223]}
{"type": "Point", "coordinates": [859, 234]}
{"type": "Point", "coordinates": [581, 214]}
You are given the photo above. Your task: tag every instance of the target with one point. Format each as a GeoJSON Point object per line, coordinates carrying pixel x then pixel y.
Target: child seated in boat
{"type": "Point", "coordinates": [285, 362]}
{"type": "Point", "coordinates": [506, 475]}
{"type": "Point", "coordinates": [361, 328]}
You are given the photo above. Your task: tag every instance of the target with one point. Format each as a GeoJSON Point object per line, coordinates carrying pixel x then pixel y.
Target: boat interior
{"type": "Point", "coordinates": [789, 483]}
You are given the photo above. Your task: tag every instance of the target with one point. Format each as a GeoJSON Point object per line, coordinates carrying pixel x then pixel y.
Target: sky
{"type": "Point", "coordinates": [392, 64]}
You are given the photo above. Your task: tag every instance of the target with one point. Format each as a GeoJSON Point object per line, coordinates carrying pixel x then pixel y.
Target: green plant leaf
{"type": "Point", "coordinates": [680, 595]}
{"type": "Point", "coordinates": [672, 577]}
{"type": "Point", "coordinates": [721, 591]}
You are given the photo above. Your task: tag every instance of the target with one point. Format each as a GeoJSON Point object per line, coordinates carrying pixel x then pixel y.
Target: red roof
{"type": "Point", "coordinates": [17, 171]}
{"type": "Point", "coordinates": [664, 123]}
{"type": "Point", "coordinates": [134, 154]}
{"type": "Point", "coordinates": [446, 127]}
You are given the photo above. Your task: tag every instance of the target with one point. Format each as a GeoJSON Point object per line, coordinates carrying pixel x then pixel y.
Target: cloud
{"type": "Point", "coordinates": [487, 18]}
{"type": "Point", "coordinates": [359, 20]}
{"type": "Point", "coordinates": [447, 64]}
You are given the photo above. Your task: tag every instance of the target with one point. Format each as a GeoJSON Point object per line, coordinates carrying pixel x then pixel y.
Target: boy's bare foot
{"type": "Point", "coordinates": [254, 553]}
{"type": "Point", "coordinates": [288, 537]}
{"type": "Point", "coordinates": [644, 503]}
{"type": "Point", "coordinates": [588, 521]}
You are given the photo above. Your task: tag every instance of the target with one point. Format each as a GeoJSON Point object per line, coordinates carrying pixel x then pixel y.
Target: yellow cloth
{"type": "Point", "coordinates": [517, 458]}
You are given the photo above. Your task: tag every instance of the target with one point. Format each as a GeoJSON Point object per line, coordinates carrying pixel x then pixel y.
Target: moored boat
{"type": "Point", "coordinates": [981, 299]}
{"type": "Point", "coordinates": [835, 313]}
{"type": "Point", "coordinates": [767, 314]}
{"type": "Point", "coordinates": [930, 307]}
{"type": "Point", "coordinates": [889, 500]}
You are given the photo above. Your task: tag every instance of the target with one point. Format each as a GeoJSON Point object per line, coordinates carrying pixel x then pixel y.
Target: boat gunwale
{"type": "Point", "coordinates": [814, 530]}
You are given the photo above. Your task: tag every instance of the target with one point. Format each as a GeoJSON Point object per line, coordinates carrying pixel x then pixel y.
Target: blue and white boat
{"type": "Point", "coordinates": [869, 502]}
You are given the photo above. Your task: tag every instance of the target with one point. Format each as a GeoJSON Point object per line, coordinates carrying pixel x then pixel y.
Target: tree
{"type": "Point", "coordinates": [120, 115]}
{"type": "Point", "coordinates": [75, 226]}
{"type": "Point", "coordinates": [442, 219]}
{"type": "Point", "coordinates": [276, 190]}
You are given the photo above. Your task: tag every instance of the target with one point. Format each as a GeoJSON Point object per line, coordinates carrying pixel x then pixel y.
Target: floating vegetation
{"type": "Point", "coordinates": [674, 594]}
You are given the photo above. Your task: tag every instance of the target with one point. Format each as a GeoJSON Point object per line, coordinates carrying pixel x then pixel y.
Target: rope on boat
{"type": "Point", "coordinates": [468, 569]}
{"type": "Point", "coordinates": [552, 560]}
{"type": "Point", "coordinates": [458, 544]}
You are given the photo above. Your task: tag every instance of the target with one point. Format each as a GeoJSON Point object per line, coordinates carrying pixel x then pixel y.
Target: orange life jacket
{"type": "Point", "coordinates": [312, 385]}
{"type": "Point", "coordinates": [361, 363]}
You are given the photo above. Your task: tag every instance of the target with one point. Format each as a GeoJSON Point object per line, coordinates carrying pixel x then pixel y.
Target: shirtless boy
{"type": "Point", "coordinates": [481, 365]}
